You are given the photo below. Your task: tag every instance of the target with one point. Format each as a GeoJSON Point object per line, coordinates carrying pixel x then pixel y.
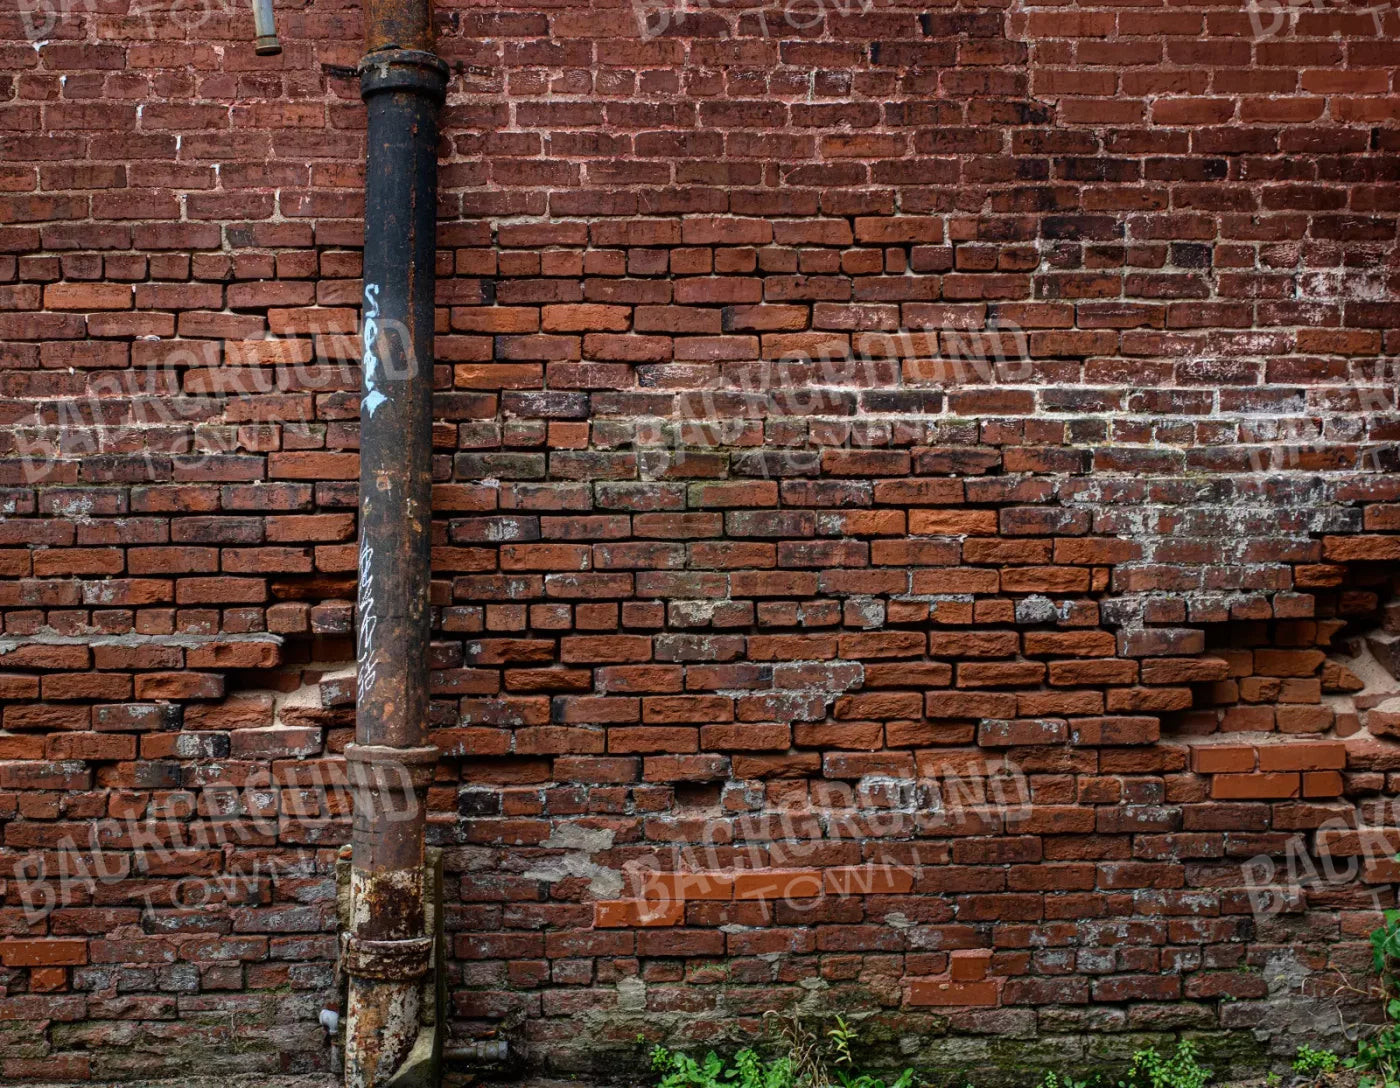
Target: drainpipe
{"type": "Point", "coordinates": [387, 952]}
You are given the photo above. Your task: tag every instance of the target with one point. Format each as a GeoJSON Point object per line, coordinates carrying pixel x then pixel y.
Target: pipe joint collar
{"type": "Point", "coordinates": [382, 767]}
{"type": "Point", "coordinates": [404, 70]}
{"type": "Point", "coordinates": [388, 961]}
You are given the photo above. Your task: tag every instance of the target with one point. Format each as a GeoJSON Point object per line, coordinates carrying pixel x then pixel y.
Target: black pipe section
{"type": "Point", "coordinates": [402, 90]}
{"type": "Point", "coordinates": [387, 952]}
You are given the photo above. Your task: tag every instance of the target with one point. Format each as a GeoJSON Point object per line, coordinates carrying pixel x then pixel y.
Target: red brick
{"type": "Point", "coordinates": [43, 952]}
{"type": "Point", "coordinates": [1223, 759]}
{"type": "Point", "coordinates": [638, 912]}
{"type": "Point", "coordinates": [948, 993]}
{"type": "Point", "coordinates": [867, 880]}
{"type": "Point", "coordinates": [688, 886]}
{"type": "Point", "coordinates": [1231, 787]}
{"type": "Point", "coordinates": [778, 884]}
{"type": "Point", "coordinates": [1303, 756]}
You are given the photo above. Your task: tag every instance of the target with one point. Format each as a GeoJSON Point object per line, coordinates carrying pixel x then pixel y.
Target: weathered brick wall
{"type": "Point", "coordinates": [909, 482]}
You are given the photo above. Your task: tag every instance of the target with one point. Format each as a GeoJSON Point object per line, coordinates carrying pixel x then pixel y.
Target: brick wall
{"type": "Point", "coordinates": [916, 518]}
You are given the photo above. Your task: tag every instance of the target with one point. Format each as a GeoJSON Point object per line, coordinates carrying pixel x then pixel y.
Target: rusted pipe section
{"type": "Point", "coordinates": [386, 950]}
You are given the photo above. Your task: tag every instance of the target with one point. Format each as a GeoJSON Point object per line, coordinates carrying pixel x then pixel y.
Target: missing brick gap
{"type": "Point", "coordinates": [1362, 679]}
{"type": "Point", "coordinates": [698, 797]}
{"type": "Point", "coordinates": [313, 687]}
{"type": "Point", "coordinates": [325, 697]}
{"type": "Point", "coordinates": [1327, 678]}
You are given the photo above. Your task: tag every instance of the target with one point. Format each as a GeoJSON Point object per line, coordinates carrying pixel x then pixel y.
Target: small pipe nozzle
{"type": "Point", "coordinates": [265, 27]}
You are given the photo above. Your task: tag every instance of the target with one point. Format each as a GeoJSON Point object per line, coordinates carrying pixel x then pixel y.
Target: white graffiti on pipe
{"type": "Point", "coordinates": [368, 622]}
{"type": "Point", "coordinates": [373, 398]}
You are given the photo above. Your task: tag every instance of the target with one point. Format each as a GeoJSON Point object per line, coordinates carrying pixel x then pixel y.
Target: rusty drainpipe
{"type": "Point", "coordinates": [386, 953]}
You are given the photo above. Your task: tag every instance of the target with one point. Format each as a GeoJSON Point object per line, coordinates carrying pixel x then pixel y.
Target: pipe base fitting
{"type": "Point", "coordinates": [395, 988]}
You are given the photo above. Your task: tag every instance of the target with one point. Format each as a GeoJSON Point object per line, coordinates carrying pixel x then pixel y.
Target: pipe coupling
{"type": "Point", "coordinates": [404, 70]}
{"type": "Point", "coordinates": [380, 767]}
{"type": "Point", "coordinates": [387, 961]}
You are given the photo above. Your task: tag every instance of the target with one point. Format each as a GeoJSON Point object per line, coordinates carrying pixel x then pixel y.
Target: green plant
{"type": "Point", "coordinates": [865, 1080]}
{"type": "Point", "coordinates": [747, 1071]}
{"type": "Point", "coordinates": [1272, 1079]}
{"type": "Point", "coordinates": [1378, 1054]}
{"type": "Point", "coordinates": [803, 1048]}
{"type": "Point", "coordinates": [1313, 1061]}
{"type": "Point", "coordinates": [1180, 1070]}
{"type": "Point", "coordinates": [841, 1036]}
{"type": "Point", "coordinates": [1054, 1080]}
{"type": "Point", "coordinates": [801, 1066]}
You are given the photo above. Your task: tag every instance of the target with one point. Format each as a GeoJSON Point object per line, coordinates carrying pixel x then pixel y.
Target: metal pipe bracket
{"type": "Point", "coordinates": [404, 70]}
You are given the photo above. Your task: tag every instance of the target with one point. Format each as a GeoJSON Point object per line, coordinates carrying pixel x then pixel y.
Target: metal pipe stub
{"type": "Point", "coordinates": [265, 28]}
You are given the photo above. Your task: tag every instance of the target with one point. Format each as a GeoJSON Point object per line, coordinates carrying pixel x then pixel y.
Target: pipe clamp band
{"type": "Point", "coordinates": [390, 961]}
{"type": "Point", "coordinates": [383, 767]}
{"type": "Point", "coordinates": [404, 70]}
